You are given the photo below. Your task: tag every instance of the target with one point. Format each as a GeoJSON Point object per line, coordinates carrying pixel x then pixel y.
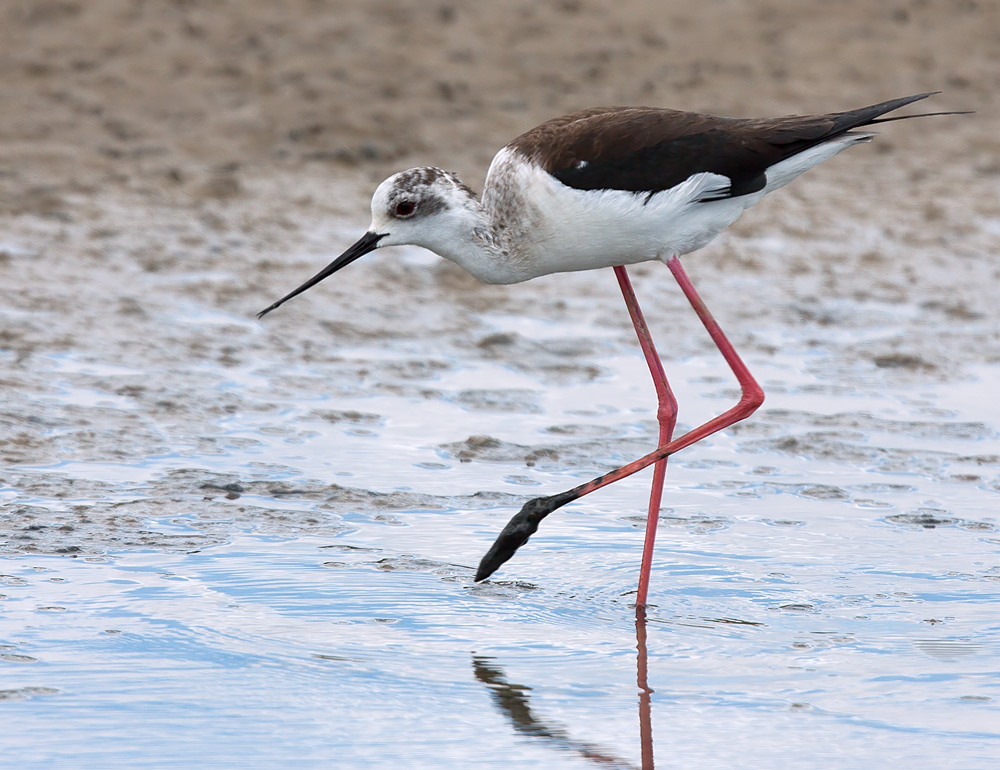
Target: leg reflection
{"type": "Point", "coordinates": [513, 700]}
{"type": "Point", "coordinates": [642, 680]}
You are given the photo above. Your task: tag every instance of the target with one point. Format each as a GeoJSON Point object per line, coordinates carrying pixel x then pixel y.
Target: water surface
{"type": "Point", "coordinates": [264, 556]}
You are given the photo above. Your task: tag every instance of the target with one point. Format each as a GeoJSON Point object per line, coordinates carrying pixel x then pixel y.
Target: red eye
{"type": "Point", "coordinates": [405, 208]}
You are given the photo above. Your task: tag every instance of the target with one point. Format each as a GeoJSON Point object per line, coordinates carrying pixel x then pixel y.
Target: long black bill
{"type": "Point", "coordinates": [368, 242]}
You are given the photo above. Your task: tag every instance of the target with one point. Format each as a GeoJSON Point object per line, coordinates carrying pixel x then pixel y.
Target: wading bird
{"type": "Point", "coordinates": [610, 187]}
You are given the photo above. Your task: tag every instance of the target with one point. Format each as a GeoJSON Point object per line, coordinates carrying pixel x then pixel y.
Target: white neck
{"type": "Point", "coordinates": [473, 239]}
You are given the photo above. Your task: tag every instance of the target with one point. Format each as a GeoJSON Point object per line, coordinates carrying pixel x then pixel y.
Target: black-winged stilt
{"type": "Point", "coordinates": [609, 187]}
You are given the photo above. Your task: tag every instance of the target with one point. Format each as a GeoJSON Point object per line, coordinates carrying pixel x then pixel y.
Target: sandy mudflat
{"type": "Point", "coordinates": [169, 168]}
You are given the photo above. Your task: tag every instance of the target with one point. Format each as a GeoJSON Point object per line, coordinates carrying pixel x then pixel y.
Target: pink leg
{"type": "Point", "coordinates": [666, 415]}
{"type": "Point", "coordinates": [525, 522]}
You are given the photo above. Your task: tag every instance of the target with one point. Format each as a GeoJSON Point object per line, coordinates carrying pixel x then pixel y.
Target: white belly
{"type": "Point", "coordinates": [587, 229]}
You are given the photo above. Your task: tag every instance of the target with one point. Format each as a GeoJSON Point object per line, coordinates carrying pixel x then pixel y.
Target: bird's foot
{"type": "Point", "coordinates": [522, 526]}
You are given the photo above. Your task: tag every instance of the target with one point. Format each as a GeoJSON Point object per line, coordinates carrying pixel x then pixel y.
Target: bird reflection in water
{"type": "Point", "coordinates": [514, 701]}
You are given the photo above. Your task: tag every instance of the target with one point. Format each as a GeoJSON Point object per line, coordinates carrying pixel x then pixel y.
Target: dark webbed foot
{"type": "Point", "coordinates": [522, 526]}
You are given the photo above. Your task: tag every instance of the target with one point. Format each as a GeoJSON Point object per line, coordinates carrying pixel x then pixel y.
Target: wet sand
{"type": "Point", "coordinates": [173, 167]}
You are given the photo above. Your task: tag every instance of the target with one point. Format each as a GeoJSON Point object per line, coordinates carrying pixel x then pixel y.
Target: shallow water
{"type": "Point", "coordinates": [264, 557]}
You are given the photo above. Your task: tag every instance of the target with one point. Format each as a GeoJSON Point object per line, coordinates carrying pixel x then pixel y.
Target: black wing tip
{"type": "Point", "coordinates": [920, 115]}
{"type": "Point", "coordinates": [895, 104]}
{"type": "Point", "coordinates": [844, 122]}
{"type": "Point", "coordinates": [904, 100]}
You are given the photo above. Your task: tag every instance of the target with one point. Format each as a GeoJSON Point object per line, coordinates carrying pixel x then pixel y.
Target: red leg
{"type": "Point", "coordinates": [525, 522]}
{"type": "Point", "coordinates": [666, 415]}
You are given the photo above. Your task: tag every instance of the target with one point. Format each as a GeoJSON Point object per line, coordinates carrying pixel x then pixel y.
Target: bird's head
{"type": "Point", "coordinates": [423, 206]}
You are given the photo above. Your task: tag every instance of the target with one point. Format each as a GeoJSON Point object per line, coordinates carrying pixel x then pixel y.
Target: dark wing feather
{"type": "Point", "coordinates": [648, 150]}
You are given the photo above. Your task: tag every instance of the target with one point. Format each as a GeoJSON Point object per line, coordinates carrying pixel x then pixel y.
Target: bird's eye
{"type": "Point", "coordinates": [405, 208]}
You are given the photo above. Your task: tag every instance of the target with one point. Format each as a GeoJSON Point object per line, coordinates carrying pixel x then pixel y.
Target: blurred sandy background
{"type": "Point", "coordinates": [274, 115]}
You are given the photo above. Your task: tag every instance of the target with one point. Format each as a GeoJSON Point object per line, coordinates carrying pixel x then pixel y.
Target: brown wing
{"type": "Point", "coordinates": [647, 150]}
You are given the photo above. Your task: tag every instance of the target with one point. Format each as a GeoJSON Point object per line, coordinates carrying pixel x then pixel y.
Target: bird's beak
{"type": "Point", "coordinates": [368, 242]}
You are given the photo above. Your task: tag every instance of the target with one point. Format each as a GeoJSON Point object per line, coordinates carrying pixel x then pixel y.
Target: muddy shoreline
{"type": "Point", "coordinates": [171, 168]}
